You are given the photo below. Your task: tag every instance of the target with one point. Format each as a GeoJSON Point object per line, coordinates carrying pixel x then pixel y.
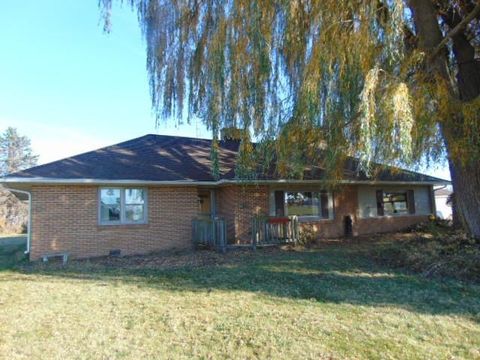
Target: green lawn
{"type": "Point", "coordinates": [332, 302]}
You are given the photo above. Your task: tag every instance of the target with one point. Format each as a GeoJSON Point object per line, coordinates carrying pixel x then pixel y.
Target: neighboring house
{"type": "Point", "coordinates": [442, 204]}
{"type": "Point", "coordinates": [141, 195]}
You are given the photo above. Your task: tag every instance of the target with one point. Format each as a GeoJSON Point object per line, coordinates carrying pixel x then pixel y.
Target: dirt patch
{"type": "Point", "coordinates": [161, 260]}
{"type": "Point", "coordinates": [433, 250]}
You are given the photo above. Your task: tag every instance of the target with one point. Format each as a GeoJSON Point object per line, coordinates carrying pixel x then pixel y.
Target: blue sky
{"type": "Point", "coordinates": [69, 86]}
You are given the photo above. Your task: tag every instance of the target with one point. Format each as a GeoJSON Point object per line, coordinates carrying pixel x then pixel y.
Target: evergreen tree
{"type": "Point", "coordinates": [15, 152]}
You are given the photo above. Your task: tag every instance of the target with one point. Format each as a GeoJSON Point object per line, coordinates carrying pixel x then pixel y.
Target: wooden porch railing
{"type": "Point", "coordinates": [210, 233]}
{"type": "Point", "coordinates": [274, 230]}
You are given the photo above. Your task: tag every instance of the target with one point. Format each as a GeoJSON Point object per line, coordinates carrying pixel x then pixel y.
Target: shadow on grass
{"type": "Point", "coordinates": [12, 252]}
{"type": "Point", "coordinates": [335, 274]}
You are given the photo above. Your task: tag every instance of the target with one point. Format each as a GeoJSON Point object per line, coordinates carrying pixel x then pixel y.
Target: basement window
{"type": "Point", "coordinates": [122, 206]}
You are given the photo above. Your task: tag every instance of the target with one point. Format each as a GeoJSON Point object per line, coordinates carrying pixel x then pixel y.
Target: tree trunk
{"type": "Point", "coordinates": [465, 173]}
{"type": "Point", "coordinates": [466, 185]}
{"type": "Point", "coordinates": [457, 223]}
{"type": "Point", "coordinates": [468, 76]}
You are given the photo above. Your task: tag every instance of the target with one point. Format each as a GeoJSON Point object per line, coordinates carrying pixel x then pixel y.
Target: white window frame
{"type": "Point", "coordinates": [304, 218]}
{"type": "Point", "coordinates": [123, 220]}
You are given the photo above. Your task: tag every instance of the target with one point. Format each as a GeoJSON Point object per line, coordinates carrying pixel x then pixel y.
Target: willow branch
{"type": "Point", "coordinates": [457, 29]}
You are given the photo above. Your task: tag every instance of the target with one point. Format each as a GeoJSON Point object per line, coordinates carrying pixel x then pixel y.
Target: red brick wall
{"type": "Point", "coordinates": [65, 218]}
{"type": "Point", "coordinates": [345, 200]}
{"type": "Point", "coordinates": [226, 207]}
{"type": "Point", "coordinates": [238, 204]}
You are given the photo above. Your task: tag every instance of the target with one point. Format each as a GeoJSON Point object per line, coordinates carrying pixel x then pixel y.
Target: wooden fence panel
{"type": "Point", "coordinates": [210, 233]}
{"type": "Point", "coordinates": [271, 230]}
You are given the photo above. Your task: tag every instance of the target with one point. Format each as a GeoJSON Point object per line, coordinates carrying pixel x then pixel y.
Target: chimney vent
{"type": "Point", "coordinates": [233, 133]}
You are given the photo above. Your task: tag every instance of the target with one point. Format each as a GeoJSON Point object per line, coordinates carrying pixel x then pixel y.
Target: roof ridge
{"type": "Point", "coordinates": [177, 136]}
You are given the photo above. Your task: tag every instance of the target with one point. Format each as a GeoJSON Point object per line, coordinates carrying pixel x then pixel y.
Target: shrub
{"type": "Point", "coordinates": [435, 250]}
{"type": "Point", "coordinates": [307, 234]}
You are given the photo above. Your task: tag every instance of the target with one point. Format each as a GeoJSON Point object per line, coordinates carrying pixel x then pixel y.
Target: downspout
{"type": "Point", "coordinates": [29, 225]}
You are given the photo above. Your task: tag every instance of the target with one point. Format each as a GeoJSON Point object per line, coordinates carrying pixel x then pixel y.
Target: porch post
{"type": "Point", "coordinates": [213, 204]}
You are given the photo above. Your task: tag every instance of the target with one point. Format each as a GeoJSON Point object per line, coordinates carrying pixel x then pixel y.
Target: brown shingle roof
{"type": "Point", "coordinates": [172, 158]}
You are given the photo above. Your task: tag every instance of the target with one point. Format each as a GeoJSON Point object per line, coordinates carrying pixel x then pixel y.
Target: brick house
{"type": "Point", "coordinates": [141, 195]}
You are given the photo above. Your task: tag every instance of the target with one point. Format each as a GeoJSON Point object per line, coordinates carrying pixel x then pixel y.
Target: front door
{"type": "Point", "coordinates": [205, 203]}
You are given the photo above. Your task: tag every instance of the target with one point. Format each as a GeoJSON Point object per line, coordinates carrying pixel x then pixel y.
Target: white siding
{"type": "Point", "coordinates": [422, 201]}
{"type": "Point", "coordinates": [367, 199]}
{"type": "Point", "coordinates": [444, 210]}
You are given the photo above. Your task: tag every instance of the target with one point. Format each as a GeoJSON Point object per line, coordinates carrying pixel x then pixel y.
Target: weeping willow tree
{"type": "Point", "coordinates": [389, 81]}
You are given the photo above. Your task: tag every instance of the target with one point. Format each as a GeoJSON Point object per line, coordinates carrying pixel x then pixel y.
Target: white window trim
{"type": "Point", "coordinates": [304, 218]}
{"type": "Point", "coordinates": [122, 220]}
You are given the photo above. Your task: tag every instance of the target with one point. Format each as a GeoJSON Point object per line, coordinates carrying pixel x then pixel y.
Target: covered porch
{"type": "Point", "coordinates": [216, 229]}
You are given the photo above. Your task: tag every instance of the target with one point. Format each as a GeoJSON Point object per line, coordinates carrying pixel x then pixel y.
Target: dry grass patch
{"type": "Point", "coordinates": [434, 250]}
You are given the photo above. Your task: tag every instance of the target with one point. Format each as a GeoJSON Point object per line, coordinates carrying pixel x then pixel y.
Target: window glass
{"type": "Point", "coordinates": [305, 203]}
{"type": "Point", "coordinates": [110, 205]}
{"type": "Point", "coordinates": [134, 196]}
{"type": "Point", "coordinates": [395, 203]}
{"type": "Point", "coordinates": [133, 213]}
{"type": "Point", "coordinates": [134, 205]}
{"type": "Point", "coordinates": [122, 205]}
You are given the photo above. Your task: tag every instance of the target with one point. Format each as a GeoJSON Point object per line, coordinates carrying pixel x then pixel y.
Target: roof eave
{"type": "Point", "coordinates": [60, 181]}
{"type": "Point", "coordinates": [344, 182]}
